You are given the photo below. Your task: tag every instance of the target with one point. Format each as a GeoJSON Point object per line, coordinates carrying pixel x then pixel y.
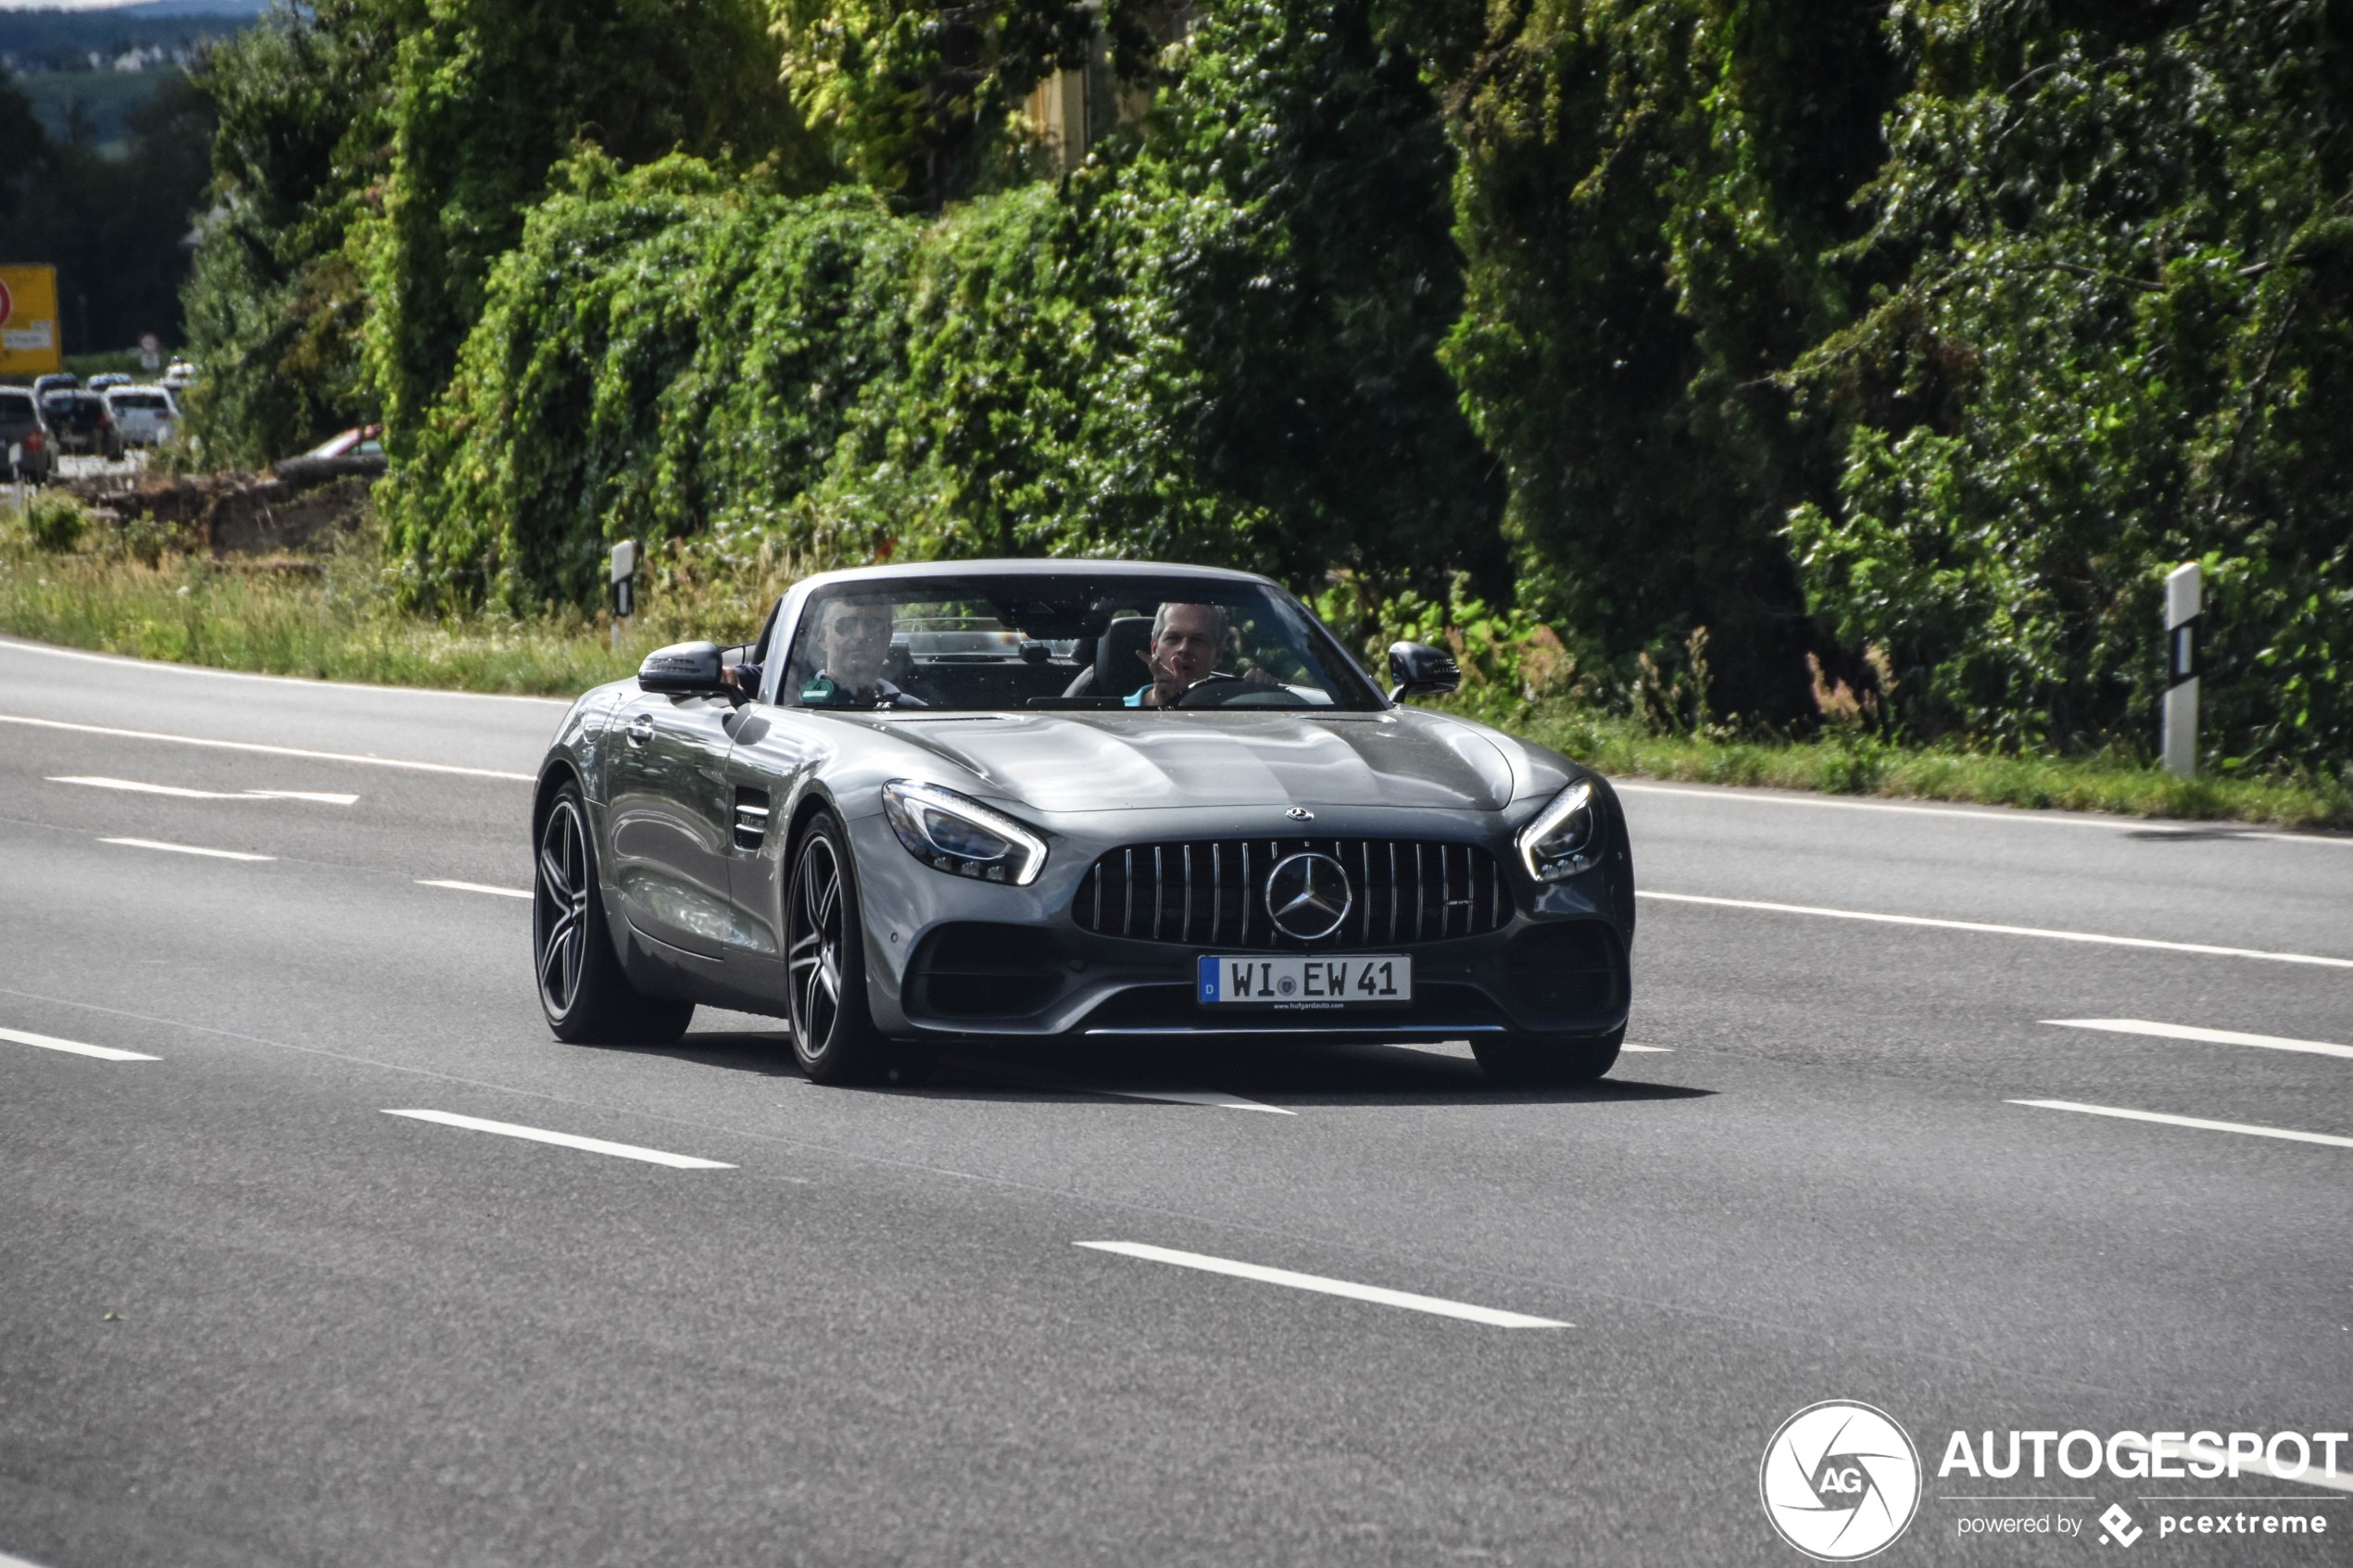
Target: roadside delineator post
{"type": "Point", "coordinates": [624, 585]}
{"type": "Point", "coordinates": [2184, 610]}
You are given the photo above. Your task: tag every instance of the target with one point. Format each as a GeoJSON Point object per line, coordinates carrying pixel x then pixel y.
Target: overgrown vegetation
{"type": "Point", "coordinates": [1773, 370]}
{"type": "Point", "coordinates": [1185, 352]}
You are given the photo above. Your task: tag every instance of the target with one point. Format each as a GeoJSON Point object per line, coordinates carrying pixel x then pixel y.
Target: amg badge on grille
{"type": "Point", "coordinates": [1308, 895]}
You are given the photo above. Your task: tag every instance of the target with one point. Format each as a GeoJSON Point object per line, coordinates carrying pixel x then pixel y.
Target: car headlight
{"type": "Point", "coordinates": [958, 835]}
{"type": "Point", "coordinates": [1564, 839]}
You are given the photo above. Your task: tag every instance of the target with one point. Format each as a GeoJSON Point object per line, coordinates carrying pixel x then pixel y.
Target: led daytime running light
{"type": "Point", "coordinates": [1559, 843]}
{"type": "Point", "coordinates": [922, 815]}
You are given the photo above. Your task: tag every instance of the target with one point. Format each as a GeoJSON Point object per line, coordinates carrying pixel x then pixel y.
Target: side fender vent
{"type": "Point", "coordinates": [751, 818]}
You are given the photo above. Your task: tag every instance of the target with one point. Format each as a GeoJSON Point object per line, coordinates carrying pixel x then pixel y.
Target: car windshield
{"type": "Point", "coordinates": [151, 400]}
{"type": "Point", "coordinates": [15, 405]}
{"type": "Point", "coordinates": [988, 643]}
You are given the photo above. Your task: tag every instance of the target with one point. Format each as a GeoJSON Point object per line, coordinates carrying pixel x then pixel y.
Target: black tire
{"type": "Point", "coordinates": [833, 1037]}
{"type": "Point", "coordinates": [583, 990]}
{"type": "Point", "coordinates": [1546, 1060]}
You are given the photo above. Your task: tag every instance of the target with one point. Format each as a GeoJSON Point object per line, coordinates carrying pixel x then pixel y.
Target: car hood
{"type": "Point", "coordinates": [1128, 761]}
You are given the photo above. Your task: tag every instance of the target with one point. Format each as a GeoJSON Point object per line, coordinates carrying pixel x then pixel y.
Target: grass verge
{"type": "Point", "coordinates": [329, 618]}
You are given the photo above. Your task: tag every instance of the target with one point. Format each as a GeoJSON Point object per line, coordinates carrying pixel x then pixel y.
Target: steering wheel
{"type": "Point", "coordinates": [1235, 691]}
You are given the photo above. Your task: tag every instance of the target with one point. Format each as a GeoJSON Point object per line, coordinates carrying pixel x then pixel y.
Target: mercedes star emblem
{"type": "Point", "coordinates": [1300, 814]}
{"type": "Point", "coordinates": [1308, 895]}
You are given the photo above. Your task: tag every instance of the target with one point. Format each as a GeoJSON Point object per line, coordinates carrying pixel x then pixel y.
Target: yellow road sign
{"type": "Point", "coordinates": [28, 320]}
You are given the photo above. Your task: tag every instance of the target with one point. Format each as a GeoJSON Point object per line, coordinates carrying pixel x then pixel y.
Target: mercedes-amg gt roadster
{"type": "Point", "coordinates": [1100, 802]}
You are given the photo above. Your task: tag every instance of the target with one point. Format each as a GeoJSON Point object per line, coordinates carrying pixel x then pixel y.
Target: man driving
{"type": "Point", "coordinates": [1186, 642]}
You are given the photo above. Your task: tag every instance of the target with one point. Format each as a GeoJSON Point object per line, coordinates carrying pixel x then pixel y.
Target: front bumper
{"type": "Point", "coordinates": [952, 960]}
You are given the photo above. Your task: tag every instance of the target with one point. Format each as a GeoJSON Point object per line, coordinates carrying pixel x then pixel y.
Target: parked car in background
{"type": "Point", "coordinates": [80, 423]}
{"type": "Point", "coordinates": [56, 382]}
{"type": "Point", "coordinates": [180, 373]}
{"type": "Point", "coordinates": [147, 415]}
{"type": "Point", "coordinates": [358, 441]}
{"type": "Point", "coordinates": [108, 382]}
{"type": "Point", "coordinates": [25, 447]}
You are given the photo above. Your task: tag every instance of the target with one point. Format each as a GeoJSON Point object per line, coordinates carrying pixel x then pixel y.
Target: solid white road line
{"type": "Point", "coordinates": [2147, 942]}
{"type": "Point", "coordinates": [134, 786]}
{"type": "Point", "coordinates": [476, 887]}
{"type": "Point", "coordinates": [2313, 1475]}
{"type": "Point", "coordinates": [186, 850]}
{"type": "Point", "coordinates": [1442, 1308]}
{"type": "Point", "coordinates": [2211, 1036]}
{"type": "Point", "coordinates": [1195, 1096]}
{"type": "Point", "coordinates": [1662, 1050]}
{"type": "Point", "coordinates": [2329, 1138]}
{"type": "Point", "coordinates": [540, 1134]}
{"type": "Point", "coordinates": [1995, 814]}
{"type": "Point", "coordinates": [265, 750]}
{"type": "Point", "coordinates": [73, 1048]}
{"type": "Point", "coordinates": [9, 645]}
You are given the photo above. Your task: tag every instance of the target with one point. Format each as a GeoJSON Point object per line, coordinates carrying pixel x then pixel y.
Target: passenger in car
{"type": "Point", "coordinates": [850, 642]}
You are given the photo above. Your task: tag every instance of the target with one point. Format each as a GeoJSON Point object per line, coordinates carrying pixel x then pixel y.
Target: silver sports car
{"type": "Point", "coordinates": [1096, 801]}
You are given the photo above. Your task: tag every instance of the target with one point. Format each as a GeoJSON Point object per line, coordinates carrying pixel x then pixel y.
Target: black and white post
{"type": "Point", "coordinates": [2183, 612]}
{"type": "Point", "coordinates": [624, 585]}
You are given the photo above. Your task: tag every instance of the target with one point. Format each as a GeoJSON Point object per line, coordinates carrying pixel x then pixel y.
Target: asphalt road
{"type": "Point", "coordinates": [247, 1317]}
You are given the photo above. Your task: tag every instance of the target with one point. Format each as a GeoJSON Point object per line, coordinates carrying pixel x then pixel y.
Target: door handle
{"type": "Point", "coordinates": [641, 729]}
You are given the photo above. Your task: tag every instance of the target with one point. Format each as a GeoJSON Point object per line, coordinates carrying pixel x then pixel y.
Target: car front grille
{"type": "Point", "coordinates": [1212, 892]}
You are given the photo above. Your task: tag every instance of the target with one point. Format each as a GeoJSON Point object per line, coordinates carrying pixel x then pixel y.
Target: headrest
{"type": "Point", "coordinates": [1117, 670]}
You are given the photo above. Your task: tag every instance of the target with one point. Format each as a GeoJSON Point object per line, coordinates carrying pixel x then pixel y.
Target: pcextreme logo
{"type": "Point", "coordinates": [1840, 1481]}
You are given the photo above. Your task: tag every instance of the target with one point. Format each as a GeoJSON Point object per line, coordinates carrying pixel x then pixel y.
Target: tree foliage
{"type": "Point", "coordinates": [922, 94]}
{"type": "Point", "coordinates": [2118, 335]}
{"type": "Point", "coordinates": [1178, 352]}
{"type": "Point", "coordinates": [1649, 188]}
{"type": "Point", "coordinates": [276, 307]}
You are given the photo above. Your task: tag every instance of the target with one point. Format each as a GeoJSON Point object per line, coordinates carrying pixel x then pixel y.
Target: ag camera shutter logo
{"type": "Point", "coordinates": [1840, 1481]}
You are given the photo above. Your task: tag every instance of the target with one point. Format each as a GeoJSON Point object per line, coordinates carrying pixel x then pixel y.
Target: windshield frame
{"type": "Point", "coordinates": [1353, 690]}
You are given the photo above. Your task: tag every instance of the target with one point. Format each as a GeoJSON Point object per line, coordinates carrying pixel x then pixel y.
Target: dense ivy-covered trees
{"type": "Point", "coordinates": [1185, 350]}
{"type": "Point", "coordinates": [2117, 334]}
{"type": "Point", "coordinates": [1906, 346]}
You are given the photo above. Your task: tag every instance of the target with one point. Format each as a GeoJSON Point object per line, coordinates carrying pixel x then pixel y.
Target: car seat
{"type": "Point", "coordinates": [1116, 669]}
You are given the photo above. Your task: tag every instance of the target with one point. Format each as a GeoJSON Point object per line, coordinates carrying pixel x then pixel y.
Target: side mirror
{"type": "Point", "coordinates": [1420, 670]}
{"type": "Point", "coordinates": [684, 669]}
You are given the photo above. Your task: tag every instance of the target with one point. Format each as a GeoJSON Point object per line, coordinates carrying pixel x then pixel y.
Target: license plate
{"type": "Point", "coordinates": [1304, 984]}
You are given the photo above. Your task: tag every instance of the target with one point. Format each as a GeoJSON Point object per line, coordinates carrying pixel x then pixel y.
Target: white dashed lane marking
{"type": "Point", "coordinates": [567, 1140]}
{"type": "Point", "coordinates": [2198, 1122]}
{"type": "Point", "coordinates": [2145, 942]}
{"type": "Point", "coordinates": [1436, 1305]}
{"type": "Point", "coordinates": [186, 850]}
{"type": "Point", "coordinates": [476, 887]}
{"type": "Point", "coordinates": [2211, 1036]}
{"type": "Point", "coordinates": [73, 1048]}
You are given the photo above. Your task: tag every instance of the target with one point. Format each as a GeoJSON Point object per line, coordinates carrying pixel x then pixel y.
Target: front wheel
{"type": "Point", "coordinates": [583, 990]}
{"type": "Point", "coordinates": [833, 1034]}
{"type": "Point", "coordinates": [1545, 1061]}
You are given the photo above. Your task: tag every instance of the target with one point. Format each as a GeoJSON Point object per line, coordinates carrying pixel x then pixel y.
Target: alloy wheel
{"type": "Point", "coordinates": [812, 950]}
{"type": "Point", "coordinates": [560, 907]}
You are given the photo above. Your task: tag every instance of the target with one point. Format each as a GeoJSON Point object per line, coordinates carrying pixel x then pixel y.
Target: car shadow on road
{"type": "Point", "coordinates": [1292, 1077]}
